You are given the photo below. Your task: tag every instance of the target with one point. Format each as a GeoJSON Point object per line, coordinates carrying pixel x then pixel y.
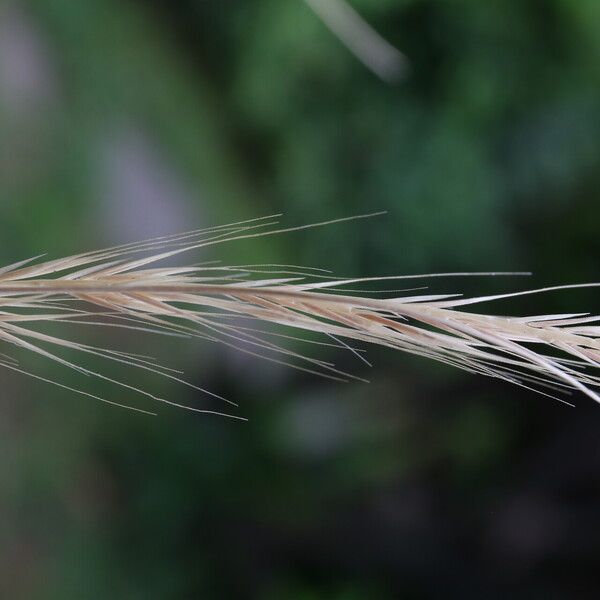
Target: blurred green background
{"type": "Point", "coordinates": [121, 120]}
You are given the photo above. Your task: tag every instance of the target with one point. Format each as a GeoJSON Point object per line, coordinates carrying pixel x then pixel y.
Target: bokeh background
{"type": "Point", "coordinates": [124, 119]}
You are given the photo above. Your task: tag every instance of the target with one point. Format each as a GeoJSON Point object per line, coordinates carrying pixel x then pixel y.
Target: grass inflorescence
{"type": "Point", "coordinates": [126, 287]}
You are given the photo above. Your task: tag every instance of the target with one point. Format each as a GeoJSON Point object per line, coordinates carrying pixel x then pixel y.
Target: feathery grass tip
{"type": "Point", "coordinates": [125, 287]}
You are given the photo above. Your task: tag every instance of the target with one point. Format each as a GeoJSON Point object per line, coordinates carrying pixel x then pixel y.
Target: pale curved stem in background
{"type": "Point", "coordinates": [361, 39]}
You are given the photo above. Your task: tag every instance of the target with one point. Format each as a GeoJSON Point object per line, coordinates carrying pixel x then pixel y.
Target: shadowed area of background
{"type": "Point", "coordinates": [121, 120]}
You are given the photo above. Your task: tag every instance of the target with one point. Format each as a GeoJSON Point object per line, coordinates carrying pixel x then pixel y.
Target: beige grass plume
{"type": "Point", "coordinates": [124, 287]}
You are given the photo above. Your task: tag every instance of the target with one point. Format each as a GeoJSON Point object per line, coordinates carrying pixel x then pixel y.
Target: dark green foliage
{"type": "Point", "coordinates": [424, 484]}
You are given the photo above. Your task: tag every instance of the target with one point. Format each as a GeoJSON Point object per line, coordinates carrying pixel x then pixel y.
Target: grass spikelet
{"type": "Point", "coordinates": [126, 287]}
